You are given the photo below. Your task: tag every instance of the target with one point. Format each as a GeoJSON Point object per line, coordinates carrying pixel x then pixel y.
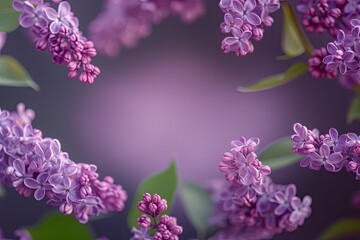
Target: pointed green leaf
{"type": "Point", "coordinates": [56, 226]}
{"type": "Point", "coordinates": [12, 74]}
{"type": "Point", "coordinates": [279, 154]}
{"type": "Point", "coordinates": [354, 111]}
{"type": "Point", "coordinates": [9, 18]}
{"type": "Point", "coordinates": [163, 183]}
{"type": "Point", "coordinates": [198, 207]}
{"type": "Point", "coordinates": [342, 228]}
{"type": "Point", "coordinates": [276, 80]}
{"type": "Point", "coordinates": [291, 38]}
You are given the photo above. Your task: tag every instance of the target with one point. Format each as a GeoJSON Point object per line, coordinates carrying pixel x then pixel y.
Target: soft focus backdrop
{"type": "Point", "coordinates": [174, 97]}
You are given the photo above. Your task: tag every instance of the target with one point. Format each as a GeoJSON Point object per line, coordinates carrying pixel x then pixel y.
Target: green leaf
{"type": "Point", "coordinates": [291, 38]}
{"type": "Point", "coordinates": [56, 226]}
{"type": "Point", "coordinates": [279, 154]}
{"type": "Point", "coordinates": [12, 74]}
{"type": "Point", "coordinates": [198, 207]}
{"type": "Point", "coordinates": [342, 228]}
{"type": "Point", "coordinates": [9, 18]}
{"type": "Point", "coordinates": [354, 111]}
{"type": "Point", "coordinates": [276, 80]}
{"type": "Point", "coordinates": [163, 183]}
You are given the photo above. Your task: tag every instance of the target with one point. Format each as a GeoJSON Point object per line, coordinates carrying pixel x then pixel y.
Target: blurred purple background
{"type": "Point", "coordinates": [174, 97]}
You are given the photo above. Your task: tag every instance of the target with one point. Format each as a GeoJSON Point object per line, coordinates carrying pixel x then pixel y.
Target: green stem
{"type": "Point", "coordinates": [304, 40]}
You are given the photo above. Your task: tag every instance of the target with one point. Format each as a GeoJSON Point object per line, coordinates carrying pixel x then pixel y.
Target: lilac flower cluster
{"type": "Point", "coordinates": [36, 166]}
{"type": "Point", "coordinates": [123, 23]}
{"type": "Point", "coordinates": [316, 66]}
{"type": "Point", "coordinates": [245, 19]}
{"type": "Point", "coordinates": [58, 31]}
{"type": "Point", "coordinates": [330, 15]}
{"type": "Point", "coordinates": [344, 55]}
{"type": "Point", "coordinates": [330, 150]}
{"type": "Point", "coordinates": [242, 168]}
{"type": "Point", "coordinates": [249, 205]}
{"type": "Point", "coordinates": [165, 227]}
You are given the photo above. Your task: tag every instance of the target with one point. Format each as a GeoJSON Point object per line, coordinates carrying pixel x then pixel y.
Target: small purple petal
{"type": "Point", "coordinates": [39, 194]}
{"type": "Point", "coordinates": [51, 13]}
{"type": "Point", "coordinates": [31, 183]}
{"type": "Point", "coordinates": [253, 18]}
{"type": "Point", "coordinates": [324, 150]}
{"type": "Point", "coordinates": [332, 48]}
{"type": "Point", "coordinates": [64, 9]}
{"type": "Point", "coordinates": [19, 166]}
{"type": "Point", "coordinates": [228, 18]}
{"type": "Point", "coordinates": [55, 27]}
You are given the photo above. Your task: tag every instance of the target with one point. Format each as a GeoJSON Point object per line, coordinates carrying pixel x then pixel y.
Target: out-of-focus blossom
{"type": "Point", "coordinates": [21, 234]}
{"type": "Point", "coordinates": [2, 40]}
{"type": "Point", "coordinates": [326, 15]}
{"type": "Point", "coordinates": [123, 23]}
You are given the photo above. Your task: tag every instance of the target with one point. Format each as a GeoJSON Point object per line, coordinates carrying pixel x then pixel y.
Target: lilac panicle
{"type": "Point", "coordinates": [249, 205]}
{"type": "Point", "coordinates": [245, 19]}
{"type": "Point", "coordinates": [58, 31]}
{"type": "Point", "coordinates": [152, 207]}
{"type": "Point", "coordinates": [36, 166]}
{"type": "Point", "coordinates": [330, 150]}
{"type": "Point", "coordinates": [344, 54]}
{"type": "Point", "coordinates": [122, 24]}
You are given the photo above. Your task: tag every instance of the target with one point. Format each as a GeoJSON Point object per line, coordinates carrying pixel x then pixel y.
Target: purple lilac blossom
{"type": "Point", "coordinates": [342, 56]}
{"type": "Point", "coordinates": [36, 166]}
{"type": "Point", "coordinates": [152, 207]}
{"type": "Point", "coordinates": [123, 23]}
{"type": "Point", "coordinates": [58, 31]}
{"type": "Point", "coordinates": [245, 19]}
{"type": "Point", "coordinates": [241, 165]}
{"type": "Point", "coordinates": [317, 68]}
{"type": "Point", "coordinates": [249, 206]}
{"type": "Point", "coordinates": [332, 151]}
{"type": "Point", "coordinates": [327, 15]}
